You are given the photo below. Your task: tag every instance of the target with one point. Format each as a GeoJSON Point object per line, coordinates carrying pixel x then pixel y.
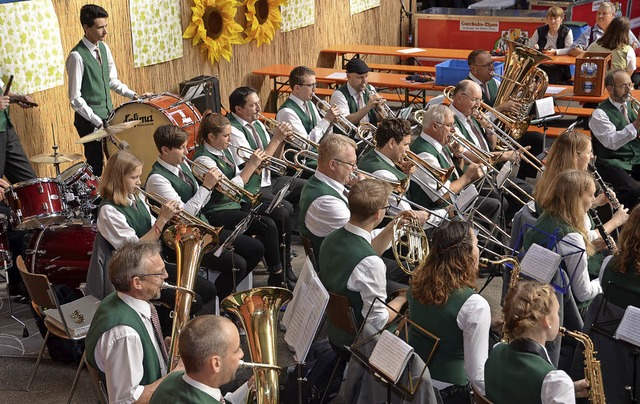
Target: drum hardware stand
{"type": "Point", "coordinates": [55, 151]}
{"type": "Point", "coordinates": [6, 264]}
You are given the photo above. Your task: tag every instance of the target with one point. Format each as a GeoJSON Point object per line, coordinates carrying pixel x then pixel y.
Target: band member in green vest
{"type": "Point", "coordinates": [392, 139]}
{"type": "Point", "coordinates": [562, 228]}
{"type": "Point", "coordinates": [299, 110]}
{"type": "Point", "coordinates": [172, 178]}
{"type": "Point", "coordinates": [442, 299]}
{"type": "Point", "coordinates": [214, 137]}
{"type": "Point", "coordinates": [349, 261]}
{"type": "Point", "coordinates": [521, 370]}
{"type": "Point", "coordinates": [92, 76]}
{"type": "Point", "coordinates": [356, 99]}
{"type": "Point", "coordinates": [432, 146]}
{"type": "Point", "coordinates": [247, 131]}
{"type": "Point", "coordinates": [614, 125]}
{"type": "Point", "coordinates": [210, 351]}
{"type": "Point", "coordinates": [124, 342]}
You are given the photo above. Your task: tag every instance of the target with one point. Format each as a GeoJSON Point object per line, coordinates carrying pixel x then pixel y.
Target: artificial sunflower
{"type": "Point", "coordinates": [213, 23]}
{"type": "Point", "coordinates": [263, 19]}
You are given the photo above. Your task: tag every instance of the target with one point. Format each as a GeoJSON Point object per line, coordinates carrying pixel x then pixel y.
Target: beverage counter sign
{"type": "Point", "coordinates": [476, 25]}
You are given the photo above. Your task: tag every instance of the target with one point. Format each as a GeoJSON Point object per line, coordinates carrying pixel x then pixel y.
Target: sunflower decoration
{"type": "Point", "coordinates": [263, 19]}
{"type": "Point", "coordinates": [213, 23]}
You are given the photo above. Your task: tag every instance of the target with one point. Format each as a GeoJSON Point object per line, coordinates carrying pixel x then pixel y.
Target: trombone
{"type": "Point", "coordinates": [294, 138]}
{"type": "Point", "coordinates": [182, 216]}
{"type": "Point", "coordinates": [225, 186]}
{"type": "Point", "coordinates": [274, 164]}
{"type": "Point", "coordinates": [341, 123]}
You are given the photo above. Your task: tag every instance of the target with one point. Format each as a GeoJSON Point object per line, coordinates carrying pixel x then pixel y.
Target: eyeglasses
{"type": "Point", "coordinates": [472, 99]}
{"type": "Point", "coordinates": [312, 85]}
{"type": "Point", "coordinates": [625, 86]}
{"type": "Point", "coordinates": [486, 66]}
{"type": "Point", "coordinates": [386, 208]}
{"type": "Point", "coordinates": [352, 165]}
{"type": "Point", "coordinates": [448, 125]}
{"type": "Point", "coordinates": [145, 275]}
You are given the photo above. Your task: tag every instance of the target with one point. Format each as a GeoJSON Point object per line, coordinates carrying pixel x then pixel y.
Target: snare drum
{"type": "Point", "coordinates": [81, 186]}
{"type": "Point", "coordinates": [62, 253]}
{"type": "Point", "coordinates": [155, 111]}
{"type": "Point", "coordinates": [37, 203]}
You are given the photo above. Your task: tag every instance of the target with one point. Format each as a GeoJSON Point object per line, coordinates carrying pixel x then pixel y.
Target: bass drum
{"type": "Point", "coordinates": [153, 112]}
{"type": "Point", "coordinates": [62, 253]}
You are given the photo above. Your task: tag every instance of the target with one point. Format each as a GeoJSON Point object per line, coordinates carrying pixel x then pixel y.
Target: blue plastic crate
{"type": "Point", "coordinates": [452, 71]}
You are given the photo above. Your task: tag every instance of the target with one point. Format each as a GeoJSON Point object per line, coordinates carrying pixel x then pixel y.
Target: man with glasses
{"type": "Point", "coordinates": [605, 14]}
{"type": "Point", "coordinates": [299, 110]}
{"type": "Point", "coordinates": [356, 99]}
{"type": "Point", "coordinates": [615, 124]}
{"type": "Point", "coordinates": [350, 265]}
{"type": "Point", "coordinates": [124, 342]}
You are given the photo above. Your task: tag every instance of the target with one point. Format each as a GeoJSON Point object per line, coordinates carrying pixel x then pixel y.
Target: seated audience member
{"type": "Point", "coordinates": [210, 351]}
{"type": "Point", "coordinates": [520, 370]}
{"type": "Point", "coordinates": [442, 300]}
{"type": "Point", "coordinates": [124, 342]}
{"type": "Point", "coordinates": [616, 41]}
{"type": "Point", "coordinates": [554, 38]}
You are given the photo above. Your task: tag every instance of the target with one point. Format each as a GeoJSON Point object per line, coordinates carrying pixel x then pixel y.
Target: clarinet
{"type": "Point", "coordinates": [615, 204]}
{"type": "Point", "coordinates": [605, 236]}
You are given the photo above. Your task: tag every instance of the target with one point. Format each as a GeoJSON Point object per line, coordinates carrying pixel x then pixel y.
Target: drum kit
{"type": "Point", "coordinates": [59, 211]}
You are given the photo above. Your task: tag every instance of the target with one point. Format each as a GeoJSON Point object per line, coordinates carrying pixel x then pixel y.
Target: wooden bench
{"type": "Point", "coordinates": [402, 68]}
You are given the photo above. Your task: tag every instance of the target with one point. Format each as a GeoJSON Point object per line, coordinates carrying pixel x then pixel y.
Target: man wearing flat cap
{"type": "Point", "coordinates": [356, 99]}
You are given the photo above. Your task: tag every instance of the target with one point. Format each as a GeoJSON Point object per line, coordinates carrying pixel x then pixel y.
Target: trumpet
{"type": "Point", "coordinates": [182, 216]}
{"type": "Point", "coordinates": [225, 186]}
{"type": "Point", "coordinates": [635, 104]}
{"type": "Point", "coordinates": [294, 138]}
{"type": "Point", "coordinates": [382, 108]}
{"type": "Point", "coordinates": [274, 164]}
{"type": "Point", "coordinates": [341, 123]}
{"type": "Point", "coordinates": [366, 132]}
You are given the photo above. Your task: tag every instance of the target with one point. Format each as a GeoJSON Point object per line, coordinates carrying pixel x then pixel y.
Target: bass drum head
{"type": "Point", "coordinates": [153, 112]}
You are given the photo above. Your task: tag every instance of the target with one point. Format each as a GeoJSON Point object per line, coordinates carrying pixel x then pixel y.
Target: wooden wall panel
{"type": "Point", "coordinates": [334, 25]}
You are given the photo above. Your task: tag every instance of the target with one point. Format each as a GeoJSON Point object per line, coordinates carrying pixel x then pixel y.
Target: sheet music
{"type": "Point", "coordinates": [390, 355]}
{"type": "Point", "coordinates": [554, 90]}
{"type": "Point", "coordinates": [503, 174]}
{"type": "Point", "coordinates": [466, 198]}
{"type": "Point", "coordinates": [540, 263]}
{"type": "Point", "coordinates": [629, 328]}
{"type": "Point", "coordinates": [337, 75]}
{"type": "Point", "coordinates": [411, 50]}
{"type": "Point", "coordinates": [304, 313]}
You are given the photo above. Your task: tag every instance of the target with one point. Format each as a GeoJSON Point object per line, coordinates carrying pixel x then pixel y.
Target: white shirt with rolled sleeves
{"type": "Point", "coordinates": [238, 138]}
{"type": "Point", "coordinates": [606, 132]}
{"type": "Point", "coordinates": [75, 71]}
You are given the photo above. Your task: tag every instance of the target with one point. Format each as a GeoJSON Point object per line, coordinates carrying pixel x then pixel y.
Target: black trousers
{"type": "Point", "coordinates": [14, 163]}
{"type": "Point", "coordinates": [92, 150]}
{"type": "Point", "coordinates": [262, 227]}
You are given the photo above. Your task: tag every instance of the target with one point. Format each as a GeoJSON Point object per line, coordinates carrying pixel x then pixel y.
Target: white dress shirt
{"type": "Point", "coordinates": [210, 163]}
{"type": "Point", "coordinates": [557, 386]}
{"type": "Point", "coordinates": [569, 247]}
{"type": "Point", "coordinates": [290, 116]}
{"type": "Point", "coordinates": [370, 280]}
{"type": "Point", "coordinates": [552, 42]}
{"type": "Point", "coordinates": [327, 213]}
{"type": "Point", "coordinates": [606, 132]}
{"type": "Point", "coordinates": [238, 138]}
{"type": "Point", "coordinates": [238, 396]}
{"type": "Point", "coordinates": [75, 71]}
{"type": "Point", "coordinates": [425, 180]}
{"type": "Point", "coordinates": [338, 99]}
{"type": "Point", "coordinates": [162, 186]}
{"type": "Point", "coordinates": [113, 225]}
{"type": "Point", "coordinates": [119, 355]}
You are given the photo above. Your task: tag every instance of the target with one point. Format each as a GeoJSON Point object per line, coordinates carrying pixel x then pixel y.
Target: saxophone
{"type": "Point", "coordinates": [592, 371]}
{"type": "Point", "coordinates": [515, 277]}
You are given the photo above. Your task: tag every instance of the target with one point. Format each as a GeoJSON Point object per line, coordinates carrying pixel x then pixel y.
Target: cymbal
{"type": "Point", "coordinates": [56, 158]}
{"type": "Point", "coordinates": [110, 130]}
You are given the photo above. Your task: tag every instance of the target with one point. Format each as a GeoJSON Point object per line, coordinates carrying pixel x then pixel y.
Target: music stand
{"type": "Point", "coordinates": [406, 386]}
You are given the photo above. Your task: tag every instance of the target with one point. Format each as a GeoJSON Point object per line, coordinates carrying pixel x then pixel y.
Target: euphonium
{"type": "Point", "coordinates": [258, 310]}
{"type": "Point", "coordinates": [592, 371]}
{"type": "Point", "coordinates": [522, 82]}
{"type": "Point", "coordinates": [294, 138]}
{"type": "Point", "coordinates": [341, 123]}
{"type": "Point", "coordinates": [225, 186]}
{"type": "Point", "coordinates": [515, 278]}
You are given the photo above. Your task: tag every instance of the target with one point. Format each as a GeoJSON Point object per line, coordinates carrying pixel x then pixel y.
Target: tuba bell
{"type": "Point", "coordinates": [258, 310]}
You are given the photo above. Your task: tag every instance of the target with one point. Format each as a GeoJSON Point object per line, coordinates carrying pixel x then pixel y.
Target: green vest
{"type": "Point", "coordinates": [621, 289]}
{"type": "Point", "coordinates": [447, 363]}
{"type": "Point", "coordinates": [111, 312]}
{"type": "Point", "coordinates": [184, 190]}
{"type": "Point", "coordinates": [353, 105]}
{"type": "Point", "coordinates": [95, 80]}
{"type": "Point", "coordinates": [174, 390]}
{"type": "Point", "coordinates": [340, 252]}
{"type": "Point", "coordinates": [5, 120]}
{"type": "Point", "coordinates": [138, 217]}
{"type": "Point", "coordinates": [511, 376]}
{"type": "Point", "coordinates": [626, 156]}
{"type": "Point", "coordinates": [372, 162]}
{"type": "Point", "coordinates": [253, 185]}
{"type": "Point", "coordinates": [218, 201]}
{"type": "Point", "coordinates": [309, 122]}
{"type": "Point", "coordinates": [460, 125]}
{"type": "Point", "coordinates": [417, 194]}
{"type": "Point", "coordinates": [312, 190]}
{"type": "Point", "coordinates": [493, 91]}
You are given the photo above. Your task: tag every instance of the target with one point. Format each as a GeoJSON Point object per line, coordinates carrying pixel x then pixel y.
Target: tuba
{"type": "Point", "coordinates": [258, 310]}
{"type": "Point", "coordinates": [522, 82]}
{"type": "Point", "coordinates": [592, 371]}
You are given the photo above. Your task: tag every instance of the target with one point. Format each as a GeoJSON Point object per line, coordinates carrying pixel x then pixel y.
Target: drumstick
{"type": "Point", "coordinates": [8, 86]}
{"type": "Point", "coordinates": [22, 101]}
